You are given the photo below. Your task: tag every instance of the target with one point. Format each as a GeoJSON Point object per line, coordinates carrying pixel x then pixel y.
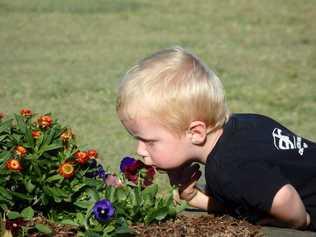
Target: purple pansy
{"type": "Point", "coordinates": [101, 172]}
{"type": "Point", "coordinates": [126, 161]}
{"type": "Point", "coordinates": [103, 210]}
{"type": "Point", "coordinates": [98, 170]}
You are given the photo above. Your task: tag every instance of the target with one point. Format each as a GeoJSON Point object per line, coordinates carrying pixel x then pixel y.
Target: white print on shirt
{"type": "Point", "coordinates": [284, 142]}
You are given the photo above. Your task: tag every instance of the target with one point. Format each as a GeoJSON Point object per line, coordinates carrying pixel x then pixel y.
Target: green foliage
{"type": "Point", "coordinates": [43, 172]}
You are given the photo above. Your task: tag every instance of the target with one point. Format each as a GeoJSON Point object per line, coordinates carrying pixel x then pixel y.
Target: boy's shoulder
{"type": "Point", "coordinates": [243, 136]}
{"type": "Point", "coordinates": [249, 117]}
{"type": "Point", "coordinates": [249, 122]}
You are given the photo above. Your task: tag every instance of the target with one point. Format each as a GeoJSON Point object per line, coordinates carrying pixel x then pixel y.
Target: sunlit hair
{"type": "Point", "coordinates": [174, 87]}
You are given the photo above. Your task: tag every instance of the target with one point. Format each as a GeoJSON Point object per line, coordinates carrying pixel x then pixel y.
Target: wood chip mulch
{"type": "Point", "coordinates": [182, 226]}
{"type": "Point", "coordinates": [199, 226]}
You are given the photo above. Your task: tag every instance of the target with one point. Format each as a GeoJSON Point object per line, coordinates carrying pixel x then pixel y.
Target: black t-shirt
{"type": "Point", "coordinates": [253, 159]}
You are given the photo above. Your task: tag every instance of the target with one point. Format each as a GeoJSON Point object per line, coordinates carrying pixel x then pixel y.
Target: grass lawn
{"type": "Point", "coordinates": [66, 57]}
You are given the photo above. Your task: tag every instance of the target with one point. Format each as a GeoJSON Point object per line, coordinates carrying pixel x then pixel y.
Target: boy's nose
{"type": "Point", "coordinates": [141, 149]}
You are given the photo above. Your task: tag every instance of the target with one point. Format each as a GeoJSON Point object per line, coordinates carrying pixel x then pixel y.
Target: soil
{"type": "Point", "coordinates": [182, 226]}
{"type": "Point", "coordinates": [193, 226]}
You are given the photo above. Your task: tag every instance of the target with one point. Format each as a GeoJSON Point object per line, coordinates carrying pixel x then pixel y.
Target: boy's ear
{"type": "Point", "coordinates": [197, 132]}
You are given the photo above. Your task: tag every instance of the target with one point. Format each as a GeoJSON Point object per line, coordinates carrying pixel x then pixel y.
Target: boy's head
{"type": "Point", "coordinates": [174, 87]}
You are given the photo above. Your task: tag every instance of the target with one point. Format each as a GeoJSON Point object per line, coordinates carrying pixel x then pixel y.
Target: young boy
{"type": "Point", "coordinates": [255, 168]}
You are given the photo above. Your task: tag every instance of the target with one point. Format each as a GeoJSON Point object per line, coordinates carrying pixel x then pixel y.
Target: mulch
{"type": "Point", "coordinates": [182, 226]}
{"type": "Point", "coordinates": [199, 226]}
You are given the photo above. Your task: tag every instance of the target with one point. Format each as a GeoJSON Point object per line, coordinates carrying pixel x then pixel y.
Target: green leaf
{"type": "Point", "coordinates": [50, 136]}
{"type": "Point", "coordinates": [110, 228]}
{"type": "Point", "coordinates": [29, 186]}
{"type": "Point", "coordinates": [5, 126]}
{"type": "Point", "coordinates": [43, 229]}
{"type": "Point", "coordinates": [181, 207]}
{"type": "Point", "coordinates": [27, 213]}
{"type": "Point", "coordinates": [83, 204]}
{"type": "Point", "coordinates": [90, 233]}
{"type": "Point", "coordinates": [120, 195]}
{"type": "Point", "coordinates": [13, 215]}
{"type": "Point", "coordinates": [123, 228]}
{"type": "Point", "coordinates": [20, 123]}
{"type": "Point", "coordinates": [80, 218]}
{"type": "Point", "coordinates": [94, 196]}
{"type": "Point", "coordinates": [151, 190]}
{"type": "Point", "coordinates": [54, 178]}
{"type": "Point", "coordinates": [51, 147]}
{"type": "Point", "coordinates": [68, 222]}
{"type": "Point", "coordinates": [156, 214]}
{"type": "Point", "coordinates": [5, 193]}
{"type": "Point", "coordinates": [4, 155]}
{"type": "Point", "coordinates": [29, 137]}
{"type": "Point", "coordinates": [21, 196]}
{"type": "Point", "coordinates": [5, 200]}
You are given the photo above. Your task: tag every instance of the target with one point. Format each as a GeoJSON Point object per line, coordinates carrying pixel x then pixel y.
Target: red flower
{"type": "Point", "coordinates": [149, 177]}
{"type": "Point", "coordinates": [13, 164]}
{"type": "Point", "coordinates": [131, 171]}
{"type": "Point", "coordinates": [21, 151]}
{"type": "Point", "coordinates": [45, 121]}
{"type": "Point", "coordinates": [66, 170]}
{"type": "Point", "coordinates": [67, 135]}
{"type": "Point", "coordinates": [135, 169]}
{"type": "Point", "coordinates": [81, 157]}
{"type": "Point", "coordinates": [92, 153]}
{"type": "Point", "coordinates": [26, 112]}
{"type": "Point", "coordinates": [36, 134]}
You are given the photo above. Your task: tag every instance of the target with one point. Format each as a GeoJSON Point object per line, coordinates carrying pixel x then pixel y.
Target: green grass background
{"type": "Point", "coordinates": [67, 56]}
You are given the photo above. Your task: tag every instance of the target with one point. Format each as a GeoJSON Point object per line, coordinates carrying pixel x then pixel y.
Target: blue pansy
{"type": "Point", "coordinates": [103, 210]}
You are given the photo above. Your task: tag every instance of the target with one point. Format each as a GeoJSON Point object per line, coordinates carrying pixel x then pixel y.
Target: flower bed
{"type": "Point", "coordinates": [46, 175]}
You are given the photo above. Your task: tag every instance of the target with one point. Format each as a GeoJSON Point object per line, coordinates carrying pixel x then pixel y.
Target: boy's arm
{"type": "Point", "coordinates": [201, 200]}
{"type": "Point", "coordinates": [288, 208]}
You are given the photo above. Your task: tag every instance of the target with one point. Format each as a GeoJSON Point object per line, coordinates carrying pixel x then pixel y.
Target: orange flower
{"type": "Point", "coordinates": [67, 135]}
{"type": "Point", "coordinates": [92, 153]}
{"type": "Point", "coordinates": [81, 157]}
{"type": "Point", "coordinates": [66, 170]}
{"type": "Point", "coordinates": [1, 115]}
{"type": "Point", "coordinates": [36, 134]}
{"type": "Point", "coordinates": [26, 112]}
{"type": "Point", "coordinates": [21, 151]}
{"type": "Point", "coordinates": [13, 164]}
{"type": "Point", "coordinates": [45, 121]}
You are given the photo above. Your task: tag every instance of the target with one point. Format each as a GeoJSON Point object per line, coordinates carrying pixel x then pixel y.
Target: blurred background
{"type": "Point", "coordinates": [66, 57]}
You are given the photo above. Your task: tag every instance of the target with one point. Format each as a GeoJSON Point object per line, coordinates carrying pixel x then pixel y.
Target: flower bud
{"type": "Point", "coordinates": [67, 135]}
{"type": "Point", "coordinates": [81, 157]}
{"type": "Point", "coordinates": [21, 151]}
{"type": "Point", "coordinates": [36, 134]}
{"type": "Point", "coordinates": [92, 153]}
{"type": "Point", "coordinates": [26, 112]}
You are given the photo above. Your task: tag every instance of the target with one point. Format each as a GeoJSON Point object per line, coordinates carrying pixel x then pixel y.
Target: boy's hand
{"type": "Point", "coordinates": [185, 178]}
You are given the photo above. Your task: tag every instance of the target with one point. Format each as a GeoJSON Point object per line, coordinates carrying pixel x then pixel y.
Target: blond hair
{"type": "Point", "coordinates": [174, 87]}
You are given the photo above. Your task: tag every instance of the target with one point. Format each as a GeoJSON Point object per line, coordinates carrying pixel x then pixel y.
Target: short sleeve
{"type": "Point", "coordinates": [253, 185]}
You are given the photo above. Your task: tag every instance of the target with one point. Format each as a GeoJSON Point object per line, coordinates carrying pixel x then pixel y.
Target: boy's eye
{"type": "Point", "coordinates": [150, 143]}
